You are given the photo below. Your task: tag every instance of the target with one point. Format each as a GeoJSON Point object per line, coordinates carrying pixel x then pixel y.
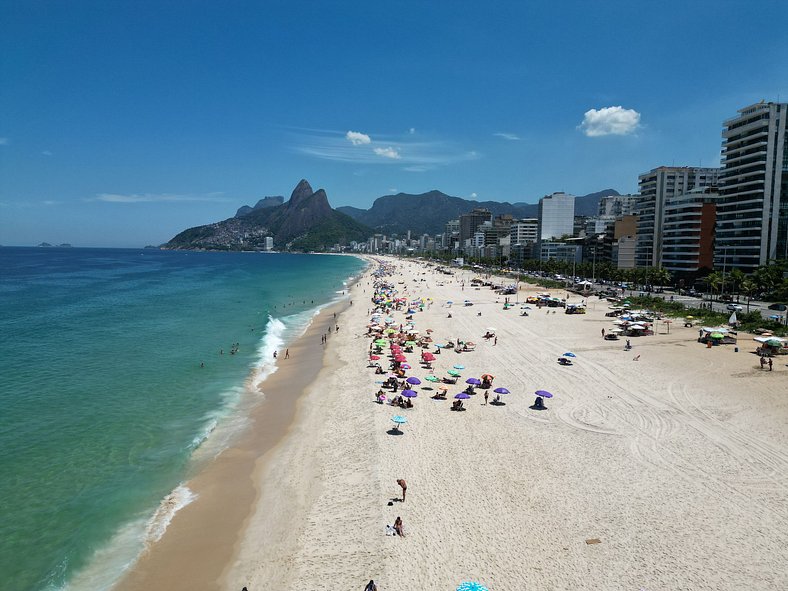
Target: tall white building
{"type": "Point", "coordinates": [556, 216]}
{"type": "Point", "coordinates": [656, 186]}
{"type": "Point", "coordinates": [617, 205]}
{"type": "Point", "coordinates": [525, 231]}
{"type": "Point", "coordinates": [752, 215]}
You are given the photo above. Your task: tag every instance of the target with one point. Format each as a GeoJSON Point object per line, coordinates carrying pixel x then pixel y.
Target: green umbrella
{"type": "Point", "coordinates": [381, 342]}
{"type": "Point", "coordinates": [410, 343]}
{"type": "Point", "coordinates": [453, 372]}
{"type": "Point", "coordinates": [432, 379]}
{"type": "Point", "coordinates": [774, 343]}
{"type": "Point", "coordinates": [717, 335]}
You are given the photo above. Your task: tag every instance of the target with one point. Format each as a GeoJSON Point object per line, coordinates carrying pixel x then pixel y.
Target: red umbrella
{"type": "Point", "coordinates": [428, 357]}
{"type": "Point", "coordinates": [400, 358]}
{"type": "Point", "coordinates": [374, 357]}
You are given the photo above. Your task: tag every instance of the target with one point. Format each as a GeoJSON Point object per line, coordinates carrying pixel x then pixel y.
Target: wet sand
{"type": "Point", "coordinates": [200, 541]}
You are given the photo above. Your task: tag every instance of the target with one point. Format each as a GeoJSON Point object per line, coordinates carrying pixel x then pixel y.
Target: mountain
{"type": "Point", "coordinates": [263, 203]}
{"type": "Point", "coordinates": [305, 222]}
{"type": "Point", "coordinates": [427, 213]}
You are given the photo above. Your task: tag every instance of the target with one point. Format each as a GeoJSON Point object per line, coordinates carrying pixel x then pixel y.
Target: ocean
{"type": "Point", "coordinates": [105, 408]}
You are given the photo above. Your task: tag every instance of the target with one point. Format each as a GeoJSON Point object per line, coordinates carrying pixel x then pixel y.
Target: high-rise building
{"type": "Point", "coordinates": [469, 222]}
{"type": "Point", "coordinates": [655, 187]}
{"type": "Point", "coordinates": [624, 242]}
{"type": "Point", "coordinates": [688, 231]}
{"type": "Point", "coordinates": [617, 205]}
{"type": "Point", "coordinates": [752, 215]}
{"type": "Point", "coordinates": [525, 231]}
{"type": "Point", "coordinates": [556, 215]}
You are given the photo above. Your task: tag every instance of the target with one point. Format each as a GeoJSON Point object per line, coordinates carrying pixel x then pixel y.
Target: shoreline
{"type": "Point", "coordinates": [200, 541]}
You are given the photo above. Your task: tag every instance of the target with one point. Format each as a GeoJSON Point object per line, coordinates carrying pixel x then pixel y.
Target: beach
{"type": "Point", "coordinates": [665, 472]}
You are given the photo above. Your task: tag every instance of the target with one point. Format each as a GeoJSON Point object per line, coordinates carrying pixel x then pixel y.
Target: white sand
{"type": "Point", "coordinates": [678, 463]}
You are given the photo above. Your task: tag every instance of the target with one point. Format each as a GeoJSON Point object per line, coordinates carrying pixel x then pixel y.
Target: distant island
{"type": "Point", "coordinates": [48, 245]}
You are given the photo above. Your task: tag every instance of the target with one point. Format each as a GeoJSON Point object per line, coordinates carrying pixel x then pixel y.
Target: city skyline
{"type": "Point", "coordinates": [127, 124]}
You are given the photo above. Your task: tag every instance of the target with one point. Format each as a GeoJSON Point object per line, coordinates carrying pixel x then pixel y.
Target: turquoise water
{"type": "Point", "coordinates": [103, 403]}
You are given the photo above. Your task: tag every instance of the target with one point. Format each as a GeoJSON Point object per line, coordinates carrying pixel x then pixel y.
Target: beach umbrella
{"type": "Point", "coordinates": [774, 343]}
{"type": "Point", "coordinates": [413, 380]}
{"type": "Point", "coordinates": [410, 343]}
{"type": "Point", "coordinates": [462, 396]}
{"type": "Point", "coordinates": [717, 335]}
{"type": "Point", "coordinates": [774, 317]}
{"type": "Point", "coordinates": [409, 393]}
{"type": "Point", "coordinates": [430, 331]}
{"type": "Point", "coordinates": [569, 354]}
{"type": "Point", "coordinates": [501, 391]}
{"type": "Point", "coordinates": [432, 379]}
{"type": "Point", "coordinates": [449, 302]}
{"type": "Point", "coordinates": [471, 586]}
{"type": "Point", "coordinates": [543, 394]}
{"type": "Point", "coordinates": [444, 388]}
{"type": "Point", "coordinates": [458, 366]}
{"type": "Point", "coordinates": [374, 357]}
{"type": "Point", "coordinates": [428, 357]}
{"type": "Point", "coordinates": [488, 376]}
{"type": "Point", "coordinates": [454, 373]}
{"type": "Point", "coordinates": [405, 366]}
{"type": "Point", "coordinates": [399, 420]}
{"type": "Point", "coordinates": [389, 331]}
{"type": "Point", "coordinates": [381, 342]}
{"type": "Point", "coordinates": [474, 381]}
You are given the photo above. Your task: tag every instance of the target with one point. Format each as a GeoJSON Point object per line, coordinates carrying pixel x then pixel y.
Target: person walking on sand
{"type": "Point", "coordinates": [495, 342]}
{"type": "Point", "coordinates": [486, 396]}
{"type": "Point", "coordinates": [763, 362]}
{"type": "Point", "coordinates": [371, 586]}
{"type": "Point", "coordinates": [770, 364]}
{"type": "Point", "coordinates": [274, 354]}
{"type": "Point", "coordinates": [287, 353]}
{"type": "Point", "coordinates": [404, 486]}
{"type": "Point", "coordinates": [603, 333]}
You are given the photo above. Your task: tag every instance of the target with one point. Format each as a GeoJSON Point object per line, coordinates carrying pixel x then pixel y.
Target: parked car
{"type": "Point", "coordinates": [780, 307]}
{"type": "Point", "coordinates": [734, 307]}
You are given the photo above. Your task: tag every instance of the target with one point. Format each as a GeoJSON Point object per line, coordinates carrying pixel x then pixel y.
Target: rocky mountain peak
{"type": "Point", "coordinates": [302, 191]}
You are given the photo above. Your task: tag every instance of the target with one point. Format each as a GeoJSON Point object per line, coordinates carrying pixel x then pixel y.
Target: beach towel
{"type": "Point", "coordinates": [390, 531]}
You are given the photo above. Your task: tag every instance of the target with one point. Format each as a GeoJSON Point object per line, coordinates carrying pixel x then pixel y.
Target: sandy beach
{"type": "Point", "coordinates": [677, 463]}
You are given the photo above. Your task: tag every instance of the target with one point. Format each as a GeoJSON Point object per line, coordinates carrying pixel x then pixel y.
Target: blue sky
{"type": "Point", "coordinates": [122, 123]}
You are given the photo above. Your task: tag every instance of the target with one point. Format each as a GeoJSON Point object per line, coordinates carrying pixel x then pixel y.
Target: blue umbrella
{"type": "Point", "coordinates": [474, 381]}
{"type": "Point", "coordinates": [458, 366]}
{"type": "Point", "coordinates": [409, 393]}
{"type": "Point", "coordinates": [501, 391]}
{"type": "Point", "coordinates": [400, 420]}
{"type": "Point", "coordinates": [471, 586]}
{"type": "Point", "coordinates": [774, 317]}
{"type": "Point", "coordinates": [569, 355]}
{"type": "Point", "coordinates": [413, 380]}
{"type": "Point", "coordinates": [462, 396]}
{"type": "Point", "coordinates": [544, 394]}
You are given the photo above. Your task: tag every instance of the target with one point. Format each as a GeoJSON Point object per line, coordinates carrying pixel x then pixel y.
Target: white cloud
{"type": "Point", "coordinates": [357, 138]}
{"type": "Point", "coordinates": [50, 202]}
{"type": "Point", "coordinates": [474, 195]}
{"type": "Point", "coordinates": [412, 131]}
{"type": "Point", "coordinates": [157, 197]}
{"type": "Point", "coordinates": [508, 136]}
{"type": "Point", "coordinates": [610, 121]}
{"type": "Point", "coordinates": [393, 190]}
{"type": "Point", "coordinates": [46, 153]}
{"type": "Point", "coordinates": [389, 152]}
{"type": "Point", "coordinates": [413, 151]}
{"type": "Point", "coordinates": [3, 141]}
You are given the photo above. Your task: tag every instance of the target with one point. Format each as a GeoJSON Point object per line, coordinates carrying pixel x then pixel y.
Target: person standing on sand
{"type": "Point", "coordinates": [770, 364]}
{"type": "Point", "coordinates": [495, 342]}
{"type": "Point", "coordinates": [274, 354]}
{"type": "Point", "coordinates": [763, 362]}
{"type": "Point", "coordinates": [603, 333]}
{"type": "Point", "coordinates": [287, 353]}
{"type": "Point", "coordinates": [486, 397]}
{"type": "Point", "coordinates": [371, 586]}
{"type": "Point", "coordinates": [404, 486]}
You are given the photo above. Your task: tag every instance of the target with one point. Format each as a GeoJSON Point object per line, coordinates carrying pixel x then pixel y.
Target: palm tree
{"type": "Point", "coordinates": [714, 281]}
{"type": "Point", "coordinates": [748, 287]}
{"type": "Point", "coordinates": [736, 277]}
